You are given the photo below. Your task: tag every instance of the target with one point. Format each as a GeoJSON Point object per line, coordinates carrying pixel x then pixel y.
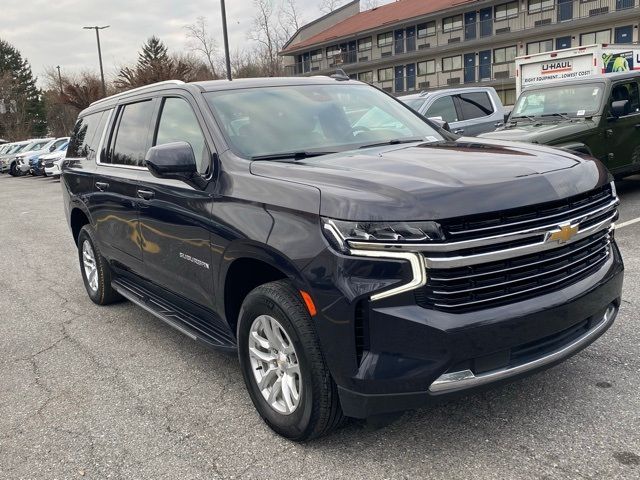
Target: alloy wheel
{"type": "Point", "coordinates": [89, 265]}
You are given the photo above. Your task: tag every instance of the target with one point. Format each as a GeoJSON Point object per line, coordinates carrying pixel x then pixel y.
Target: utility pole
{"type": "Point", "coordinates": [59, 78]}
{"type": "Point", "coordinates": [97, 29]}
{"type": "Point", "coordinates": [226, 39]}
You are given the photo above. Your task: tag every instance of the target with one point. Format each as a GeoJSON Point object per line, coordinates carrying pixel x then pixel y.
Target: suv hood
{"type": "Point", "coordinates": [434, 181]}
{"type": "Point", "coordinates": [541, 132]}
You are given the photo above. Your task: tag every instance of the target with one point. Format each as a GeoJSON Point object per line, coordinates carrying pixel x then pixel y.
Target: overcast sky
{"type": "Point", "coordinates": [49, 33]}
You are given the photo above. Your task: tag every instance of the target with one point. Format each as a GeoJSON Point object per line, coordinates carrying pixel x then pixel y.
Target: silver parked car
{"type": "Point", "coordinates": [468, 111]}
{"type": "Point", "coordinates": [7, 157]}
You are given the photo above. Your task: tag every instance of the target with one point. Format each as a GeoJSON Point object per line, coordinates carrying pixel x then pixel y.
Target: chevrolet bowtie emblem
{"type": "Point", "coordinates": [564, 234]}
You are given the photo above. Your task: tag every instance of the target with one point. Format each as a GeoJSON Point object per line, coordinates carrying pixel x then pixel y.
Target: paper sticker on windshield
{"type": "Point", "coordinates": [596, 91]}
{"type": "Point", "coordinates": [581, 113]}
{"type": "Point", "coordinates": [431, 139]}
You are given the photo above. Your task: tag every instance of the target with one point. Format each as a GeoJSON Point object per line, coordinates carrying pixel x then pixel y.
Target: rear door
{"type": "Point", "coordinates": [116, 183]}
{"type": "Point", "coordinates": [623, 133]}
{"type": "Point", "coordinates": [174, 216]}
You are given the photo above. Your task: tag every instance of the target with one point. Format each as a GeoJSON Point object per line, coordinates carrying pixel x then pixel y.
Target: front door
{"type": "Point", "coordinates": [485, 65]}
{"type": "Point", "coordinates": [622, 133]}
{"type": "Point", "coordinates": [411, 39]}
{"type": "Point", "coordinates": [174, 216]}
{"type": "Point", "coordinates": [399, 79]}
{"type": "Point", "coordinates": [411, 76]}
{"type": "Point", "coordinates": [352, 52]}
{"type": "Point", "coordinates": [469, 68]}
{"type": "Point", "coordinates": [486, 22]}
{"type": "Point", "coordinates": [470, 25]}
{"type": "Point", "coordinates": [624, 34]}
{"type": "Point", "coordinates": [565, 10]}
{"type": "Point", "coordinates": [398, 38]}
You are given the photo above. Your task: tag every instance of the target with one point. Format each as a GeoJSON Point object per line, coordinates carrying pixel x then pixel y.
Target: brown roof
{"type": "Point", "coordinates": [391, 13]}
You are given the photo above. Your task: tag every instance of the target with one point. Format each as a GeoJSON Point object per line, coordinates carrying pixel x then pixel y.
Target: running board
{"type": "Point", "coordinates": [213, 335]}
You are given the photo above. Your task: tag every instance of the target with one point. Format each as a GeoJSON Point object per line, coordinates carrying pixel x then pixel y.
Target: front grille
{"type": "Point", "coordinates": [499, 258]}
{"type": "Point", "coordinates": [550, 213]}
{"type": "Point", "coordinates": [492, 284]}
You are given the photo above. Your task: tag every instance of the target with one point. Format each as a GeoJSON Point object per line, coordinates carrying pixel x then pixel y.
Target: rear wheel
{"type": "Point", "coordinates": [13, 170]}
{"type": "Point", "coordinates": [283, 366]}
{"type": "Point", "coordinates": [96, 272]}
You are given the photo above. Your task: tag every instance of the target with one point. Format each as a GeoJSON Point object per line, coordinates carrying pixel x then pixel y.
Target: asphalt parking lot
{"type": "Point", "coordinates": [111, 392]}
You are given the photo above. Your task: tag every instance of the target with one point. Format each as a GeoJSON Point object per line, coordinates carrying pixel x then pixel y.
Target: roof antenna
{"type": "Point", "coordinates": [340, 75]}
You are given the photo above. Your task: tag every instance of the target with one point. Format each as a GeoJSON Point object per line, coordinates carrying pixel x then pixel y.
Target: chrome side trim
{"type": "Point", "coordinates": [485, 241]}
{"type": "Point", "coordinates": [417, 268]}
{"type": "Point", "coordinates": [463, 261]}
{"type": "Point", "coordinates": [455, 381]}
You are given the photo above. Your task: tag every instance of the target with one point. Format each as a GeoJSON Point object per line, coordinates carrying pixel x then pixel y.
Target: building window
{"type": "Point", "coordinates": [316, 55]}
{"type": "Point", "coordinates": [385, 39]}
{"type": "Point", "coordinates": [385, 74]}
{"type": "Point", "coordinates": [539, 47]}
{"type": "Point", "coordinates": [452, 23]}
{"type": "Point", "coordinates": [364, 44]}
{"type": "Point", "coordinates": [333, 51]}
{"type": "Point", "coordinates": [452, 63]}
{"type": "Point", "coordinates": [426, 29]}
{"type": "Point", "coordinates": [563, 43]}
{"type": "Point", "coordinates": [504, 55]}
{"type": "Point", "coordinates": [506, 10]}
{"type": "Point", "coordinates": [366, 77]}
{"type": "Point", "coordinates": [603, 36]}
{"type": "Point", "coordinates": [427, 68]}
{"type": "Point", "coordinates": [507, 97]}
{"type": "Point", "coordinates": [537, 6]}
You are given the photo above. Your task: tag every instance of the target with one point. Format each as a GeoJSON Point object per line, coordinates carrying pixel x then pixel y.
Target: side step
{"type": "Point", "coordinates": [212, 334]}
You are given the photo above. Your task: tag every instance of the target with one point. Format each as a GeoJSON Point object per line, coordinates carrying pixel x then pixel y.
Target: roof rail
{"type": "Point", "coordinates": [138, 89]}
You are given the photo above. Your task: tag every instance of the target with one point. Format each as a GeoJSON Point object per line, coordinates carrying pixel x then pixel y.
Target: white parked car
{"type": "Point", "coordinates": [26, 159]}
{"type": "Point", "coordinates": [52, 162]}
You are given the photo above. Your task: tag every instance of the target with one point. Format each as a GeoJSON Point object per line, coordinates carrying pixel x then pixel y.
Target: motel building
{"type": "Point", "coordinates": [411, 45]}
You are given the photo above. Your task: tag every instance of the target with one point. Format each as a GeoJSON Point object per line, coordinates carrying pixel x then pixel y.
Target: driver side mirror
{"type": "Point", "coordinates": [620, 108]}
{"type": "Point", "coordinates": [440, 123]}
{"type": "Point", "coordinates": [173, 161]}
{"type": "Point", "coordinates": [52, 148]}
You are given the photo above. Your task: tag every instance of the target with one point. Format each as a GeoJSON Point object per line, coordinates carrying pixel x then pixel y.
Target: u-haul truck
{"type": "Point", "coordinates": [575, 63]}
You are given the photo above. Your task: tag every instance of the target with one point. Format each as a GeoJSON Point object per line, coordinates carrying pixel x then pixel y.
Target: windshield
{"type": "Point", "coordinates": [570, 100]}
{"type": "Point", "coordinates": [20, 148]}
{"type": "Point", "coordinates": [306, 118]}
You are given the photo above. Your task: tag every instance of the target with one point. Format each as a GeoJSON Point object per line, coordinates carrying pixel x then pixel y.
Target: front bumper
{"type": "Point", "coordinates": [414, 356]}
{"type": "Point", "coordinates": [53, 171]}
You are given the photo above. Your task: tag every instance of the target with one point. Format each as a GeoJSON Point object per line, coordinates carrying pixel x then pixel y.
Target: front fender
{"type": "Point", "coordinates": [578, 148]}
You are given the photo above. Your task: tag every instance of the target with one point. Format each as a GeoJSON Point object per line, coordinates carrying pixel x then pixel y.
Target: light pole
{"type": "Point", "coordinates": [226, 39]}
{"type": "Point", "coordinates": [59, 78]}
{"type": "Point", "coordinates": [97, 29]}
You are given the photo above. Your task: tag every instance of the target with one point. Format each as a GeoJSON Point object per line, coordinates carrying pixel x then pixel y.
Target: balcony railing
{"type": "Point", "coordinates": [499, 75]}
{"type": "Point", "coordinates": [562, 11]}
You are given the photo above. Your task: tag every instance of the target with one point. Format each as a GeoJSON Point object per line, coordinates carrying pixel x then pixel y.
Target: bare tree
{"type": "Point", "coordinates": [269, 36]}
{"type": "Point", "coordinates": [328, 6]}
{"type": "Point", "coordinates": [203, 43]}
{"type": "Point", "coordinates": [368, 4]}
{"type": "Point", "coordinates": [290, 18]}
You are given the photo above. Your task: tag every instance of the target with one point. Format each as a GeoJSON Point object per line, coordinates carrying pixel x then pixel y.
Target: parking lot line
{"type": "Point", "coordinates": [627, 223]}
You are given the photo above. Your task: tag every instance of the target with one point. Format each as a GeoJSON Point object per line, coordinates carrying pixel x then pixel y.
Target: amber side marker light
{"type": "Point", "coordinates": [308, 301]}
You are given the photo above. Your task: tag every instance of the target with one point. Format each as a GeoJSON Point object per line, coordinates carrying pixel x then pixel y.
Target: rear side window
{"type": "Point", "coordinates": [178, 123]}
{"type": "Point", "coordinates": [84, 140]}
{"type": "Point", "coordinates": [475, 105]}
{"type": "Point", "coordinates": [130, 139]}
{"type": "Point", "coordinates": [443, 108]}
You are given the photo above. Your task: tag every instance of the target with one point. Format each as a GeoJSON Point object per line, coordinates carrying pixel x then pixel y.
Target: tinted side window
{"type": "Point", "coordinates": [444, 108]}
{"type": "Point", "coordinates": [475, 105]}
{"type": "Point", "coordinates": [129, 144]}
{"type": "Point", "coordinates": [178, 123]}
{"type": "Point", "coordinates": [83, 141]}
{"type": "Point", "coordinates": [627, 91]}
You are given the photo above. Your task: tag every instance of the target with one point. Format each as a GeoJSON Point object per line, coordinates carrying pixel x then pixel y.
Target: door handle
{"type": "Point", "coordinates": [498, 124]}
{"type": "Point", "coordinates": [637, 125]}
{"type": "Point", "coordinates": [145, 194]}
{"type": "Point", "coordinates": [459, 131]}
{"type": "Point", "coordinates": [102, 186]}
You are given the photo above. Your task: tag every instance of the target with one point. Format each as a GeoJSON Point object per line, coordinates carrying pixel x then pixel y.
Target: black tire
{"type": "Point", "coordinates": [318, 411]}
{"type": "Point", "coordinates": [13, 170]}
{"type": "Point", "coordinates": [104, 294]}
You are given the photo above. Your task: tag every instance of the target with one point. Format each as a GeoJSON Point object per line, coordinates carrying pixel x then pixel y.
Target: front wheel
{"type": "Point", "coordinates": [13, 170]}
{"type": "Point", "coordinates": [282, 364]}
{"type": "Point", "coordinates": [96, 272]}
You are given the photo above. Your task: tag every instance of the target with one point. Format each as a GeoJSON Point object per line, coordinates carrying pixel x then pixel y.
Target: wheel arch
{"type": "Point", "coordinates": [78, 218]}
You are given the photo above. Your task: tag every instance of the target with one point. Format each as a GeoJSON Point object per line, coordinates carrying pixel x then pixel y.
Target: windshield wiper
{"type": "Point", "coordinates": [563, 115]}
{"type": "Point", "coordinates": [528, 117]}
{"type": "Point", "coordinates": [290, 155]}
{"type": "Point", "coordinates": [395, 141]}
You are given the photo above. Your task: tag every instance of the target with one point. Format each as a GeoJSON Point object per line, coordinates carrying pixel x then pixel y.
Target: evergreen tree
{"type": "Point", "coordinates": [21, 107]}
{"type": "Point", "coordinates": [153, 54]}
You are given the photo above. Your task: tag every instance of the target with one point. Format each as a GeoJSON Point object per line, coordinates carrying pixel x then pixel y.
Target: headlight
{"type": "Point", "coordinates": [340, 232]}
